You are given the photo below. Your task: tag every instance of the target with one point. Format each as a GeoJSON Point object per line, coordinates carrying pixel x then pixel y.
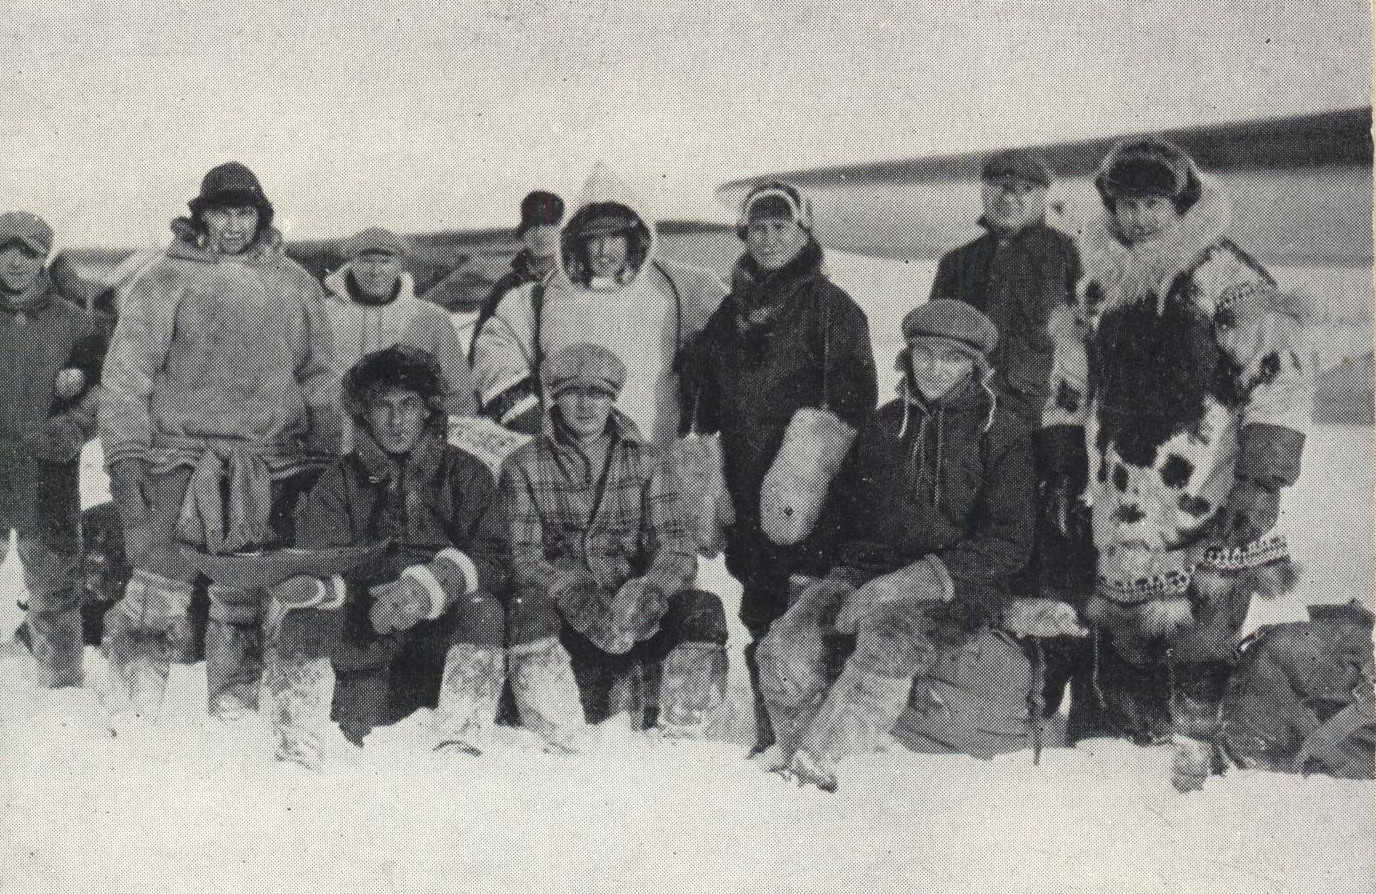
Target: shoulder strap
{"type": "Point", "coordinates": [537, 348]}
{"type": "Point", "coordinates": [678, 308]}
{"type": "Point", "coordinates": [486, 311]}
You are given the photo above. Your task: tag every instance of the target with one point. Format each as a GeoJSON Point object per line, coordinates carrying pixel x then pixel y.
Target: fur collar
{"type": "Point", "coordinates": [1125, 273]}
{"type": "Point", "coordinates": [190, 246]}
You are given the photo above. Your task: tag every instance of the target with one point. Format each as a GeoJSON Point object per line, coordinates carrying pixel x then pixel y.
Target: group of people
{"type": "Point", "coordinates": [1077, 482]}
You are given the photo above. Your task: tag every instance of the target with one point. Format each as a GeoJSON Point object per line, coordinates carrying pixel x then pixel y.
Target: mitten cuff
{"type": "Point", "coordinates": [426, 578]}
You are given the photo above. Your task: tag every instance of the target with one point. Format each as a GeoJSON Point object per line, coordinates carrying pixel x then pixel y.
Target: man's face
{"type": "Point", "coordinates": [376, 273]}
{"type": "Point", "coordinates": [1143, 217]}
{"type": "Point", "coordinates": [774, 241]}
{"type": "Point", "coordinates": [19, 267]}
{"type": "Point", "coordinates": [937, 367]}
{"type": "Point", "coordinates": [396, 418]}
{"type": "Point", "coordinates": [607, 254]}
{"type": "Point", "coordinates": [230, 230]}
{"type": "Point", "coordinates": [542, 241]}
{"type": "Point", "coordinates": [585, 410]}
{"type": "Point", "coordinates": [1011, 203]}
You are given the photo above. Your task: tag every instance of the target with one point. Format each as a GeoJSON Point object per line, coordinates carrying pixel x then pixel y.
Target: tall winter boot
{"type": "Point", "coordinates": [692, 690]}
{"type": "Point", "coordinates": [299, 688]}
{"type": "Point", "coordinates": [547, 694]}
{"type": "Point", "coordinates": [859, 711]}
{"type": "Point", "coordinates": [1195, 714]}
{"type": "Point", "coordinates": [792, 684]}
{"type": "Point", "coordinates": [56, 640]}
{"type": "Point", "coordinates": [144, 633]}
{"type": "Point", "coordinates": [233, 652]}
{"type": "Point", "coordinates": [474, 677]}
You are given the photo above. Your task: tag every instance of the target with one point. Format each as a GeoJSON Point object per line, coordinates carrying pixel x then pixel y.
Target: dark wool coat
{"type": "Point", "coordinates": [930, 480]}
{"type": "Point", "coordinates": [1017, 280]}
{"type": "Point", "coordinates": [41, 334]}
{"type": "Point", "coordinates": [778, 342]}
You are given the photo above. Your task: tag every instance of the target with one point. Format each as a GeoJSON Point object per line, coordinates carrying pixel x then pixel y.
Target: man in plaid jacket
{"type": "Point", "coordinates": [602, 561]}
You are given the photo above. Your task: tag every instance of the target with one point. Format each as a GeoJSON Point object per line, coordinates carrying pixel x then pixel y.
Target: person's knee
{"type": "Point", "coordinates": [892, 641]}
{"type": "Point", "coordinates": [699, 617]}
{"type": "Point", "coordinates": [479, 619]}
{"type": "Point", "coordinates": [531, 615]}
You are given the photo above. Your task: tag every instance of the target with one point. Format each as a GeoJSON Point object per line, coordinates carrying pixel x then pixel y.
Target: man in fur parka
{"type": "Point", "coordinates": [218, 409]}
{"type": "Point", "coordinates": [1180, 392]}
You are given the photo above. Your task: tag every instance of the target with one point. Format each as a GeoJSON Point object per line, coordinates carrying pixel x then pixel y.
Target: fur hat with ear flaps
{"type": "Point", "coordinates": [398, 367]}
{"type": "Point", "coordinates": [1149, 167]}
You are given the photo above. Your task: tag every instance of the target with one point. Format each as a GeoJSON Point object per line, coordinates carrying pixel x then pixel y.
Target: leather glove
{"type": "Point", "coordinates": [399, 605]}
{"type": "Point", "coordinates": [326, 434]}
{"type": "Point", "coordinates": [637, 603]}
{"type": "Point", "coordinates": [918, 582]}
{"type": "Point", "coordinates": [58, 440]}
{"type": "Point", "coordinates": [1250, 512]}
{"type": "Point", "coordinates": [1042, 618]}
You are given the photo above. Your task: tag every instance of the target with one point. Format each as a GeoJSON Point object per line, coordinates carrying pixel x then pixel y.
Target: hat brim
{"type": "Point", "coordinates": [597, 385]}
{"type": "Point", "coordinates": [964, 347]}
{"type": "Point", "coordinates": [230, 198]}
{"type": "Point", "coordinates": [29, 242]}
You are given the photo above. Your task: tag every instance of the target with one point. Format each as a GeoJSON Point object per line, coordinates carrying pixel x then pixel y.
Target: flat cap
{"type": "Point", "coordinates": [583, 364]}
{"type": "Point", "coordinates": [955, 322]}
{"type": "Point", "coordinates": [28, 229]}
{"type": "Point", "coordinates": [1020, 164]}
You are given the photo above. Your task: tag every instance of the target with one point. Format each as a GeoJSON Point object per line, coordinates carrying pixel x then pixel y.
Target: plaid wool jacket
{"type": "Point", "coordinates": [619, 524]}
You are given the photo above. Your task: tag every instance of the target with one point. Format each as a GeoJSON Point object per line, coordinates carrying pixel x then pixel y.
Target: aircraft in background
{"type": "Point", "coordinates": [1301, 188]}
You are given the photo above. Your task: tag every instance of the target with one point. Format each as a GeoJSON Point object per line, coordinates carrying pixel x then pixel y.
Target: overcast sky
{"type": "Point", "coordinates": [424, 115]}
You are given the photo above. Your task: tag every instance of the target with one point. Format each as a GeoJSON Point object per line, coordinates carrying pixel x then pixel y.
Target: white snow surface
{"type": "Point", "coordinates": [199, 805]}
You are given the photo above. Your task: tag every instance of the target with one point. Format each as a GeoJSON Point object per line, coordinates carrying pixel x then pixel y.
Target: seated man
{"type": "Point", "coordinates": [426, 612]}
{"type": "Point", "coordinates": [943, 498]}
{"type": "Point", "coordinates": [601, 562]}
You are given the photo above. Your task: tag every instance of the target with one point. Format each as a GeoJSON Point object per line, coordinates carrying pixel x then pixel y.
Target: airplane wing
{"type": "Point", "coordinates": [1302, 188]}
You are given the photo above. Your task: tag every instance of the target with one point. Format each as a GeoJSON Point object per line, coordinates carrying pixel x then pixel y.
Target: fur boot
{"type": "Point", "coordinates": [692, 690]}
{"type": "Point", "coordinates": [472, 683]}
{"type": "Point", "coordinates": [233, 668]}
{"type": "Point", "coordinates": [857, 714]}
{"type": "Point", "coordinates": [145, 632]}
{"type": "Point", "coordinates": [547, 694]}
{"type": "Point", "coordinates": [299, 689]}
{"type": "Point", "coordinates": [56, 639]}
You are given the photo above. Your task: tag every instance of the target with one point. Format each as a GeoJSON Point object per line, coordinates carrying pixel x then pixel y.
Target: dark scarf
{"type": "Point", "coordinates": [758, 295]}
{"type": "Point", "coordinates": [359, 296]}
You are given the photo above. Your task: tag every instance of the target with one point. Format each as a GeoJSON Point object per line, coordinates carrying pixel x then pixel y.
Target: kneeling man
{"type": "Point", "coordinates": [601, 562]}
{"type": "Point", "coordinates": [940, 516]}
{"type": "Point", "coordinates": [425, 613]}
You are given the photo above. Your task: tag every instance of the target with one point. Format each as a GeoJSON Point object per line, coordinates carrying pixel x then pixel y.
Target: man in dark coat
{"type": "Point", "coordinates": [939, 521]}
{"type": "Point", "coordinates": [52, 353]}
{"type": "Point", "coordinates": [784, 338]}
{"type": "Point", "coordinates": [1017, 273]}
{"type": "Point", "coordinates": [422, 627]}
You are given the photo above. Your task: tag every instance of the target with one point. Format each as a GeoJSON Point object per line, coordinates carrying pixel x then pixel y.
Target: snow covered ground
{"type": "Point", "coordinates": [196, 805]}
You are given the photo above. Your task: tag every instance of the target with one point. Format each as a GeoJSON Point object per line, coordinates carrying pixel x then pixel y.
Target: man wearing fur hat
{"type": "Point", "coordinates": [218, 409]}
{"type": "Point", "coordinates": [601, 563]}
{"type": "Point", "coordinates": [51, 359]}
{"type": "Point", "coordinates": [372, 305]}
{"type": "Point", "coordinates": [1182, 372]}
{"type": "Point", "coordinates": [785, 339]}
{"type": "Point", "coordinates": [940, 516]}
{"type": "Point", "coordinates": [421, 628]}
{"type": "Point", "coordinates": [612, 284]}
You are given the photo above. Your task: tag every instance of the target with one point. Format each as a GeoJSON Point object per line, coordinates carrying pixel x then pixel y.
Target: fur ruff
{"type": "Point", "coordinates": [1126, 273]}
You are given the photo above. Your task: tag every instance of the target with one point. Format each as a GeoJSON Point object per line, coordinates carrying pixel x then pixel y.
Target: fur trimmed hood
{"type": "Point", "coordinates": [1118, 273]}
